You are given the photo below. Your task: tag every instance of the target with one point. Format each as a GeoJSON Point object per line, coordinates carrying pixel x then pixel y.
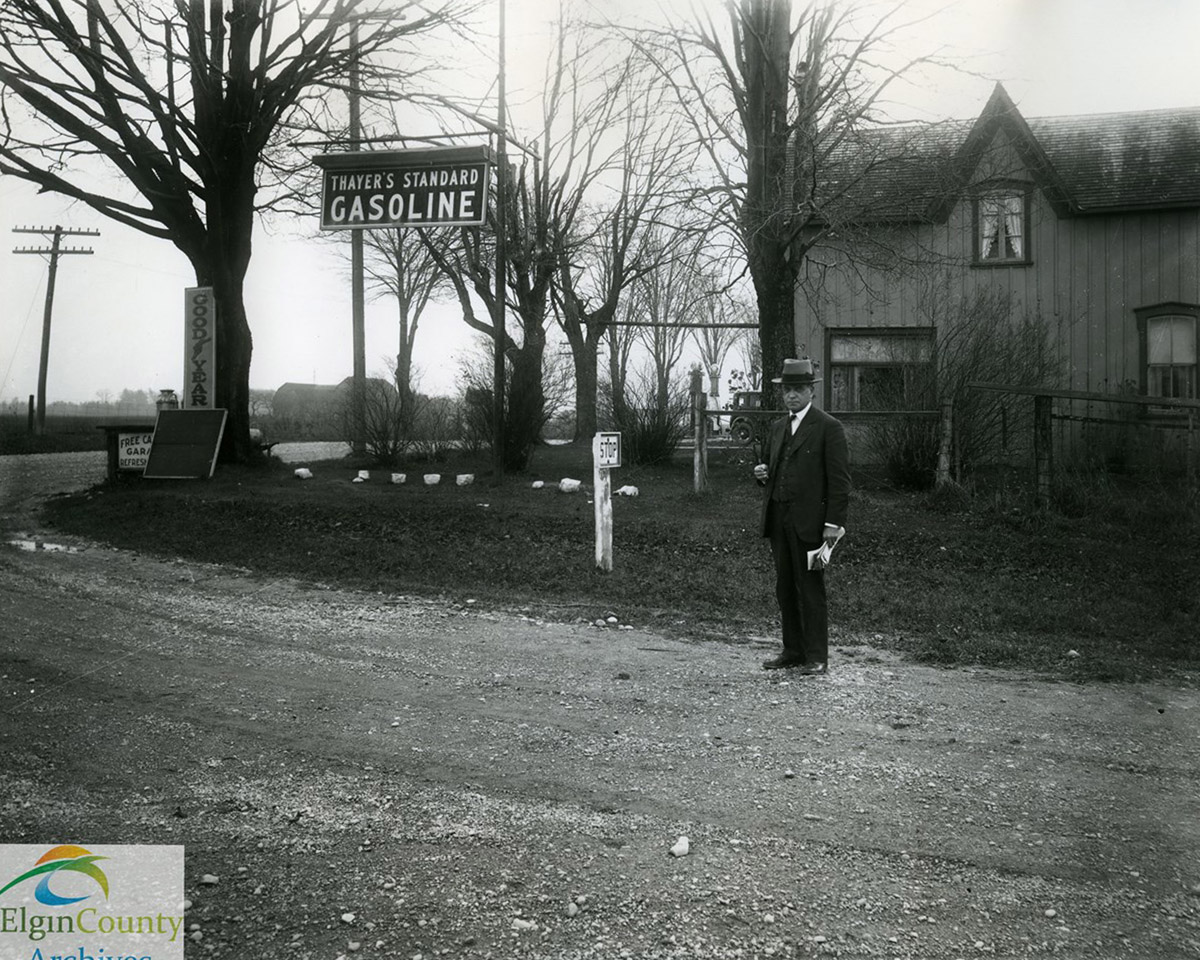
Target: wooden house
{"type": "Point", "coordinates": [1086, 226]}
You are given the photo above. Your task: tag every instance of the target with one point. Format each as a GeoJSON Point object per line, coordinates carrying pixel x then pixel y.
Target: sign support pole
{"type": "Point", "coordinates": [358, 384]}
{"type": "Point", "coordinates": [602, 500]}
{"type": "Point", "coordinates": [606, 454]}
{"type": "Point", "coordinates": [498, 372]}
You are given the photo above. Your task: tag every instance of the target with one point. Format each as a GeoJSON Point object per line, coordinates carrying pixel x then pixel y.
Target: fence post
{"type": "Point", "coordinates": [943, 462]}
{"type": "Point", "coordinates": [700, 453]}
{"type": "Point", "coordinates": [1043, 450]}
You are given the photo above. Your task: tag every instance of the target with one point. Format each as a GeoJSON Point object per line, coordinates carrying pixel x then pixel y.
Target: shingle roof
{"type": "Point", "coordinates": [1099, 163]}
{"type": "Point", "coordinates": [1118, 161]}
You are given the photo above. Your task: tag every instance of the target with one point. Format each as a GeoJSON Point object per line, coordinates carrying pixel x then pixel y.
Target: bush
{"type": "Point", "coordinates": [525, 416]}
{"type": "Point", "coordinates": [907, 449]}
{"type": "Point", "coordinates": [979, 339]}
{"type": "Point", "coordinates": [388, 419]}
{"type": "Point", "coordinates": [651, 432]}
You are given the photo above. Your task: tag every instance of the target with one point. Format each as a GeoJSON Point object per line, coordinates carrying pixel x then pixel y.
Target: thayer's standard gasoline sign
{"type": "Point", "coordinates": [404, 188]}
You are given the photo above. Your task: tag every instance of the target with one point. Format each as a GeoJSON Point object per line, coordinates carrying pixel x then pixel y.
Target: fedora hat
{"type": "Point", "coordinates": [797, 373]}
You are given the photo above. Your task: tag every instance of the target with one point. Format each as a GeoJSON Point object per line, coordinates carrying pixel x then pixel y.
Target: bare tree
{"type": "Point", "coordinates": [194, 106]}
{"type": "Point", "coordinates": [773, 103]}
{"type": "Point", "coordinates": [670, 296]}
{"type": "Point", "coordinates": [530, 200]}
{"type": "Point", "coordinates": [622, 336]}
{"type": "Point", "coordinates": [749, 375]}
{"type": "Point", "coordinates": [398, 265]}
{"type": "Point", "coordinates": [615, 189]}
{"type": "Point", "coordinates": [714, 342]}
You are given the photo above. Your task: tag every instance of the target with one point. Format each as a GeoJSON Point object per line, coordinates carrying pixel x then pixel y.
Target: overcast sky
{"type": "Point", "coordinates": [118, 313]}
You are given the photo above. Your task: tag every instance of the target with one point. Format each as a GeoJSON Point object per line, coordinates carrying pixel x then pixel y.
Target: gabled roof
{"type": "Point", "coordinates": [1100, 163]}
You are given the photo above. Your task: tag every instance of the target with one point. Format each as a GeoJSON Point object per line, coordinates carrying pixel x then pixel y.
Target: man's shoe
{"type": "Point", "coordinates": [813, 670]}
{"type": "Point", "coordinates": [781, 662]}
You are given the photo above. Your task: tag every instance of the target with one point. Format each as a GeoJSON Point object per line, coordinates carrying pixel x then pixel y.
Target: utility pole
{"type": "Point", "coordinates": [501, 271]}
{"type": "Point", "coordinates": [358, 382]}
{"type": "Point", "coordinates": [55, 251]}
{"type": "Point", "coordinates": [358, 386]}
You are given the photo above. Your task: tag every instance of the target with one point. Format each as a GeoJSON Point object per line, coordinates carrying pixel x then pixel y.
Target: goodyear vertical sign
{"type": "Point", "coordinates": [404, 188]}
{"type": "Point", "coordinates": [199, 349]}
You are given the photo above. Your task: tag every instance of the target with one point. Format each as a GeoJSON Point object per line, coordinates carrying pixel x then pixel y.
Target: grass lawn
{"type": "Point", "coordinates": [995, 584]}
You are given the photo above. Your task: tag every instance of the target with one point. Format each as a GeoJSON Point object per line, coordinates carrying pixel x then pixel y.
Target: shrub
{"type": "Point", "coordinates": [388, 419]}
{"type": "Point", "coordinates": [525, 416]}
{"type": "Point", "coordinates": [907, 449]}
{"type": "Point", "coordinates": [978, 339]}
{"type": "Point", "coordinates": [651, 431]}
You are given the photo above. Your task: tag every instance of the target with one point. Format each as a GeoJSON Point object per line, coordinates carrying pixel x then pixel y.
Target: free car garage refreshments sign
{"type": "Point", "coordinates": [404, 188]}
{"type": "Point", "coordinates": [133, 450]}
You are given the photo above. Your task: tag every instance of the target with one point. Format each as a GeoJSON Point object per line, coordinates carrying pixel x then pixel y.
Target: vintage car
{"type": "Point", "coordinates": [744, 425]}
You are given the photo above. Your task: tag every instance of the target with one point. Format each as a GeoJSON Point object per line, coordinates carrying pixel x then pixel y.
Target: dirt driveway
{"type": "Point", "coordinates": [385, 776]}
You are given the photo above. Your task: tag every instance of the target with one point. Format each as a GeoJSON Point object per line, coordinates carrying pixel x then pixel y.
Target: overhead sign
{"type": "Point", "coordinates": [199, 348]}
{"type": "Point", "coordinates": [404, 188]}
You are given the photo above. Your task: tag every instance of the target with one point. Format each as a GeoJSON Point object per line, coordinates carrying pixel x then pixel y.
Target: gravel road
{"type": "Point", "coordinates": [388, 776]}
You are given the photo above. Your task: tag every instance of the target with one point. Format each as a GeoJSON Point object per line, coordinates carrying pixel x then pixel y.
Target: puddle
{"type": "Point", "coordinates": [32, 545]}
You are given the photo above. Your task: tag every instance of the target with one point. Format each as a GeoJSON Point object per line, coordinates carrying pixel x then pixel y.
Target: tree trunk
{"type": "Point", "coordinates": [767, 214]}
{"type": "Point", "coordinates": [585, 360]}
{"type": "Point", "coordinates": [775, 291]}
{"type": "Point", "coordinates": [404, 357]}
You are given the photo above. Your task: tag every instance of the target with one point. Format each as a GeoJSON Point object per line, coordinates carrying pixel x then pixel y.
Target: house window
{"type": "Point", "coordinates": [1171, 356]}
{"type": "Point", "coordinates": [875, 370]}
{"type": "Point", "coordinates": [1002, 220]}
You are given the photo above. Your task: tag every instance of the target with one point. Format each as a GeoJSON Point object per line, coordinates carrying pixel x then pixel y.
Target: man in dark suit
{"type": "Point", "coordinates": [806, 490]}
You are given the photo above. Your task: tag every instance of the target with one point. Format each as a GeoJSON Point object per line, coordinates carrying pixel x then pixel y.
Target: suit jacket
{"type": "Point", "coordinates": [820, 467]}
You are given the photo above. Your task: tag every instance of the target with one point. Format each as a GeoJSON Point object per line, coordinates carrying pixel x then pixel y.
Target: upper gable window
{"type": "Point", "coordinates": [1002, 226]}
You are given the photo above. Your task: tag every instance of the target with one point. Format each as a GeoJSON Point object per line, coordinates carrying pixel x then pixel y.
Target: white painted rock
{"type": "Point", "coordinates": [431, 479]}
{"type": "Point", "coordinates": [567, 485]}
{"type": "Point", "coordinates": [538, 484]}
{"type": "Point", "coordinates": [363, 476]}
{"type": "Point", "coordinates": [303, 473]}
{"type": "Point", "coordinates": [626, 491]}
{"type": "Point", "coordinates": [399, 478]}
{"type": "Point", "coordinates": [682, 848]}
{"type": "Point", "coordinates": [463, 479]}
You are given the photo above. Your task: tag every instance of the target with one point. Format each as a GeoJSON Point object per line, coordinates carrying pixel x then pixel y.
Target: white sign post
{"type": "Point", "coordinates": [200, 349]}
{"type": "Point", "coordinates": [606, 454]}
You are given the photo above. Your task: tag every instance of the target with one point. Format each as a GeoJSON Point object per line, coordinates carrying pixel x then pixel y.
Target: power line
{"type": "Point", "coordinates": [55, 251]}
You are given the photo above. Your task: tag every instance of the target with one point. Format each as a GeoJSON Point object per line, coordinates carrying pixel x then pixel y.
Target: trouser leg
{"type": "Point", "coordinates": [815, 614]}
{"type": "Point", "coordinates": [799, 591]}
{"type": "Point", "coordinates": [786, 573]}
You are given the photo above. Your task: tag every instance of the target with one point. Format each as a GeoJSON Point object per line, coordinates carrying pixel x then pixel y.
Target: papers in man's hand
{"type": "Point", "coordinates": [819, 559]}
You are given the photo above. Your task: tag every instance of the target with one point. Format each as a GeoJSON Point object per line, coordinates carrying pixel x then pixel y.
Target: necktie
{"type": "Point", "coordinates": [795, 422]}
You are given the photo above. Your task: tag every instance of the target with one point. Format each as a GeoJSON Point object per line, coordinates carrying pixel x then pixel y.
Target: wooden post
{"type": "Point", "coordinates": [31, 409]}
{"type": "Point", "coordinates": [943, 462]}
{"type": "Point", "coordinates": [700, 454]}
{"type": "Point", "coordinates": [602, 502]}
{"type": "Point", "coordinates": [1043, 449]}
